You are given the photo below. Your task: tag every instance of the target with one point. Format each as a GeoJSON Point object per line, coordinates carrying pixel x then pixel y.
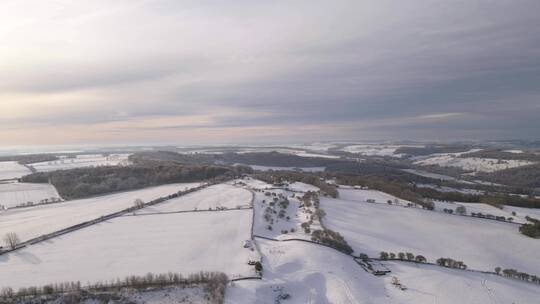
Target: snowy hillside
{"type": "Point", "coordinates": [480, 243]}
{"type": "Point", "coordinates": [135, 245]}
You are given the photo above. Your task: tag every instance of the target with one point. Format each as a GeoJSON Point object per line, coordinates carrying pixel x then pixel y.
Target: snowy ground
{"type": "Point", "coordinates": [481, 244]}
{"type": "Point", "coordinates": [302, 187]}
{"type": "Point", "coordinates": [267, 215]}
{"type": "Point", "coordinates": [305, 169]}
{"type": "Point", "coordinates": [16, 194]}
{"type": "Point", "coordinates": [320, 147]}
{"type": "Point", "coordinates": [309, 154]}
{"type": "Point", "coordinates": [81, 161]}
{"type": "Point", "coordinates": [135, 245]}
{"type": "Point", "coordinates": [32, 222]}
{"type": "Point", "coordinates": [373, 150]}
{"type": "Point", "coordinates": [522, 212]}
{"type": "Point", "coordinates": [432, 284]}
{"type": "Point", "coordinates": [474, 164]}
{"type": "Point", "coordinates": [315, 274]}
{"type": "Point", "coordinates": [478, 208]}
{"type": "Point", "coordinates": [450, 189]}
{"type": "Point", "coordinates": [170, 295]}
{"type": "Point", "coordinates": [254, 183]}
{"type": "Point", "coordinates": [309, 274]}
{"type": "Point", "coordinates": [430, 175]}
{"type": "Point", "coordinates": [214, 197]}
{"type": "Point", "coordinates": [359, 195]}
{"type": "Point", "coordinates": [12, 170]}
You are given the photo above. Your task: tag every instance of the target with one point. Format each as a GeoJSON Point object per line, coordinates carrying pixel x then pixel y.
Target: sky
{"type": "Point", "coordinates": [239, 71]}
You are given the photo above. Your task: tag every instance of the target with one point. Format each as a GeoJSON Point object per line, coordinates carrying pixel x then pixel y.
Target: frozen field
{"type": "Point", "coordinates": [217, 196]}
{"type": "Point", "coordinates": [81, 161]}
{"type": "Point", "coordinates": [135, 245]}
{"type": "Point", "coordinates": [15, 194]}
{"type": "Point", "coordinates": [12, 170]}
{"type": "Point", "coordinates": [31, 222]}
{"type": "Point", "coordinates": [309, 274]}
{"type": "Point", "coordinates": [481, 244]}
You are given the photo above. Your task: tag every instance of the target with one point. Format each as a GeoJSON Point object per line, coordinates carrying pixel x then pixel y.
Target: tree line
{"type": "Point", "coordinates": [85, 182]}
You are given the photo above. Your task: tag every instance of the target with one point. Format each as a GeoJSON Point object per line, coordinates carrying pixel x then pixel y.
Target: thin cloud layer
{"type": "Point", "coordinates": [242, 71]}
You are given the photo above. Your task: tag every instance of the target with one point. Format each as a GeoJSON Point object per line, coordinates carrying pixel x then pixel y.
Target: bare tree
{"type": "Point", "coordinates": [461, 210]}
{"type": "Point", "coordinates": [138, 203]}
{"type": "Point", "coordinates": [11, 240]}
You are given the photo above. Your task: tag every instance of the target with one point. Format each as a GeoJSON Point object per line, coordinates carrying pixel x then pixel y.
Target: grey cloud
{"type": "Point", "coordinates": [317, 63]}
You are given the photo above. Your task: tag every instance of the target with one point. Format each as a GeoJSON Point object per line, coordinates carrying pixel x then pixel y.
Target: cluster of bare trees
{"type": "Point", "coordinates": [402, 256]}
{"type": "Point", "coordinates": [492, 217]}
{"type": "Point", "coordinates": [512, 273]}
{"type": "Point", "coordinates": [11, 240]}
{"type": "Point", "coordinates": [451, 263]}
{"type": "Point", "coordinates": [214, 285]}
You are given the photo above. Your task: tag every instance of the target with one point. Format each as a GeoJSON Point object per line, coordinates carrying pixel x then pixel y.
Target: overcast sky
{"type": "Point", "coordinates": [185, 72]}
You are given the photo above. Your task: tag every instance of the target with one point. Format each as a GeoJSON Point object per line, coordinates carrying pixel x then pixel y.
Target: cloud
{"type": "Point", "coordinates": [137, 71]}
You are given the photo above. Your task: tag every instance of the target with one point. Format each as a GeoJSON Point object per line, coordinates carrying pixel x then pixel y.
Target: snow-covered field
{"type": "Point", "coordinates": [305, 169]}
{"type": "Point", "coordinates": [474, 164]}
{"type": "Point", "coordinates": [432, 284]}
{"type": "Point", "coordinates": [320, 147]}
{"type": "Point", "coordinates": [15, 194]}
{"type": "Point", "coordinates": [359, 195]}
{"type": "Point", "coordinates": [308, 154]}
{"type": "Point", "coordinates": [214, 197]}
{"type": "Point", "coordinates": [523, 212]}
{"type": "Point", "coordinates": [309, 274]}
{"type": "Point", "coordinates": [32, 222]}
{"type": "Point", "coordinates": [481, 244]}
{"type": "Point", "coordinates": [430, 175]}
{"type": "Point", "coordinates": [373, 150]}
{"type": "Point", "coordinates": [315, 274]}
{"type": "Point", "coordinates": [451, 189]}
{"type": "Point", "coordinates": [267, 215]}
{"type": "Point", "coordinates": [302, 187]}
{"type": "Point", "coordinates": [254, 183]}
{"type": "Point", "coordinates": [135, 245]}
{"type": "Point", "coordinates": [12, 170]}
{"type": "Point", "coordinates": [478, 208]}
{"type": "Point", "coordinates": [81, 161]}
{"type": "Point", "coordinates": [170, 295]}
